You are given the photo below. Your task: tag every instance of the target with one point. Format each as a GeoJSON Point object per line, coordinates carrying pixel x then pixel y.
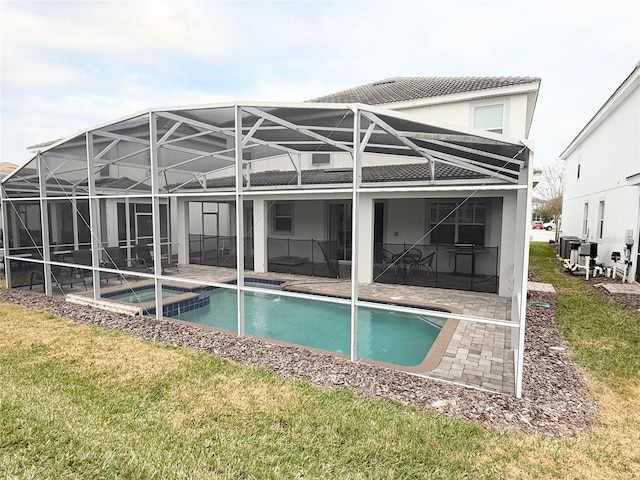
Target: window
{"type": "Point", "coordinates": [600, 219]}
{"type": "Point", "coordinates": [465, 224]}
{"type": "Point", "coordinates": [489, 117]}
{"type": "Point", "coordinates": [579, 162]}
{"type": "Point", "coordinates": [320, 159]}
{"type": "Point", "coordinates": [446, 231]}
{"type": "Point", "coordinates": [283, 217]}
{"type": "Point", "coordinates": [585, 220]}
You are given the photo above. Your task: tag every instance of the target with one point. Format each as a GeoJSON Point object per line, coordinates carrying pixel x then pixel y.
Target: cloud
{"type": "Point", "coordinates": [70, 65]}
{"type": "Point", "coordinates": [128, 30]}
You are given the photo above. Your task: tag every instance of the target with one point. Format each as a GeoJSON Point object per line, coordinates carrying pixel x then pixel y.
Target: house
{"type": "Point", "coordinates": [421, 181]}
{"type": "Point", "coordinates": [601, 201]}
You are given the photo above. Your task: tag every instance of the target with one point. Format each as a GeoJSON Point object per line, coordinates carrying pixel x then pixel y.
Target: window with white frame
{"type": "Point", "coordinates": [320, 158]}
{"type": "Point", "coordinates": [600, 219]}
{"type": "Point", "coordinates": [579, 162]}
{"type": "Point", "coordinates": [489, 117]}
{"type": "Point", "coordinates": [452, 223]}
{"type": "Point", "coordinates": [283, 217]}
{"type": "Point", "coordinates": [585, 220]}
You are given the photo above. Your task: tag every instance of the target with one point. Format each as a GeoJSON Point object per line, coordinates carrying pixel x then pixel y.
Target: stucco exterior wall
{"type": "Point", "coordinates": [308, 221]}
{"type": "Point", "coordinates": [607, 156]}
{"type": "Point", "coordinates": [461, 113]}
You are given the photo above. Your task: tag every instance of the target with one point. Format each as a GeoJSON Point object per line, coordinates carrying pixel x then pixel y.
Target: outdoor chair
{"type": "Point", "coordinates": [425, 262]}
{"type": "Point", "coordinates": [61, 276]}
{"type": "Point", "coordinates": [406, 260]}
{"type": "Point", "coordinates": [116, 258]}
{"type": "Point", "coordinates": [387, 260]}
{"type": "Point", "coordinates": [83, 257]}
{"type": "Point", "coordinates": [143, 255]}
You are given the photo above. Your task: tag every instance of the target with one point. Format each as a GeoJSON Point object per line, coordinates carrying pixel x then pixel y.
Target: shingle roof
{"type": "Point", "coordinates": [413, 172]}
{"type": "Point", "coordinates": [401, 89]}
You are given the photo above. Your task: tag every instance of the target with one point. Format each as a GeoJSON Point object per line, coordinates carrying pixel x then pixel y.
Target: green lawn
{"type": "Point", "coordinates": [606, 338]}
{"type": "Point", "coordinates": [80, 402]}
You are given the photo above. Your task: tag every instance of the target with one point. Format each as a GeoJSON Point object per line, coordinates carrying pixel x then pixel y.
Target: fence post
{"type": "Point", "coordinates": [312, 262]}
{"type": "Point", "coordinates": [202, 249]}
{"type": "Point", "coordinates": [405, 278]}
{"type": "Point", "coordinates": [496, 275]}
{"type": "Point", "coordinates": [436, 269]}
{"type": "Point", "coordinates": [473, 266]}
{"type": "Point", "coordinates": [288, 256]}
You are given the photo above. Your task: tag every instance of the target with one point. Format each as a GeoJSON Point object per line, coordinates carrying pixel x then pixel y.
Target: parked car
{"type": "Point", "coordinates": [549, 225]}
{"type": "Point", "coordinates": [538, 226]}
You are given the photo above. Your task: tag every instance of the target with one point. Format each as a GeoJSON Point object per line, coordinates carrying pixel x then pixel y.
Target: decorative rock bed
{"type": "Point", "coordinates": [556, 401]}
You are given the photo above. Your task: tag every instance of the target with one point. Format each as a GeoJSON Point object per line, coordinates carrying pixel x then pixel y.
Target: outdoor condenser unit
{"type": "Point", "coordinates": [565, 246]}
{"type": "Point", "coordinates": [573, 254]}
{"type": "Point", "coordinates": [589, 249]}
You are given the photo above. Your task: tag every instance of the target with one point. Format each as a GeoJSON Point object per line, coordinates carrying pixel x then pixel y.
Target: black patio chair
{"type": "Point", "coordinates": [143, 255]}
{"type": "Point", "coordinates": [387, 259]}
{"type": "Point", "coordinates": [83, 257]}
{"type": "Point", "coordinates": [61, 276]}
{"type": "Point", "coordinates": [117, 258]}
{"type": "Point", "coordinates": [406, 260]}
{"type": "Point", "coordinates": [425, 262]}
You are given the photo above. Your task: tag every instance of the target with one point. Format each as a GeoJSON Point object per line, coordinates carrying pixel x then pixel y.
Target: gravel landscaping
{"type": "Point", "coordinates": [556, 401]}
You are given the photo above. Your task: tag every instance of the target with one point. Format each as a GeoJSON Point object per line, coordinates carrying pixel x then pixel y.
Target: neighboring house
{"type": "Point", "coordinates": [601, 201]}
{"type": "Point", "coordinates": [536, 203]}
{"type": "Point", "coordinates": [435, 170]}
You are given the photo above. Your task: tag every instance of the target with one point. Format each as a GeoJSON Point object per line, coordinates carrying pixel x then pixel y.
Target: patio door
{"type": "Point", "coordinates": [143, 224]}
{"type": "Point", "coordinates": [339, 228]}
{"type": "Point", "coordinates": [209, 220]}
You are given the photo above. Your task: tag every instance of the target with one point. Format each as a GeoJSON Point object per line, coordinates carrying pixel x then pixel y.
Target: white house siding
{"type": "Point", "coordinates": [607, 156]}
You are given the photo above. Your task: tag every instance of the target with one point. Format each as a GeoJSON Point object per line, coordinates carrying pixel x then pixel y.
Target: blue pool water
{"type": "Point", "coordinates": [142, 296]}
{"type": "Point", "coordinates": [391, 337]}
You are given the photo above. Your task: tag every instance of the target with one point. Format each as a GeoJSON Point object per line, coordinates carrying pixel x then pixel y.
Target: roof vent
{"type": "Point", "coordinates": [384, 82]}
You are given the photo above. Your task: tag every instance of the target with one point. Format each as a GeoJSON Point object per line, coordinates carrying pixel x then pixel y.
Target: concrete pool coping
{"type": "Point", "coordinates": [137, 308]}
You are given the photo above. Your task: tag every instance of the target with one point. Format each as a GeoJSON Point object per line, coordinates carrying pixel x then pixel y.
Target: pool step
{"type": "Point", "coordinates": [126, 309]}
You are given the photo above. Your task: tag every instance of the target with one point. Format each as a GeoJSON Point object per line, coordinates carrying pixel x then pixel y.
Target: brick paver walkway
{"type": "Point", "coordinates": [627, 288]}
{"type": "Point", "coordinates": [540, 287]}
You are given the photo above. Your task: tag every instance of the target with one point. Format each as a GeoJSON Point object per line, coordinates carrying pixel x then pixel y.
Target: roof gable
{"type": "Point", "coordinates": [625, 89]}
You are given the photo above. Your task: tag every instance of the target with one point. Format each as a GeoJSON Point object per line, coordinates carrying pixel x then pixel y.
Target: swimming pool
{"type": "Point", "coordinates": [142, 296]}
{"type": "Point", "coordinates": [390, 337]}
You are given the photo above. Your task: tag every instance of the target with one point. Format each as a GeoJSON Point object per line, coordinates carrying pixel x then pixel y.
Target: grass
{"type": "Point", "coordinates": [80, 402]}
{"type": "Point", "coordinates": [606, 338]}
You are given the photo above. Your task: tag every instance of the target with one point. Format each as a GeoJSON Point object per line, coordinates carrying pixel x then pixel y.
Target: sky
{"type": "Point", "coordinates": [66, 66]}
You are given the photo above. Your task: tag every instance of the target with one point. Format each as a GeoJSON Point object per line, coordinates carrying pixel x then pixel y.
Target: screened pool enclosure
{"type": "Point", "coordinates": [330, 192]}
